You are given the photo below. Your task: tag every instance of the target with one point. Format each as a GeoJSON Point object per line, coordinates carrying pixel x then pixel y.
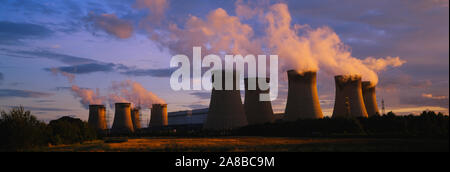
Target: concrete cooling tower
{"type": "Point", "coordinates": [303, 100]}
{"type": "Point", "coordinates": [258, 112]}
{"type": "Point", "coordinates": [370, 98]}
{"type": "Point", "coordinates": [135, 118]}
{"type": "Point", "coordinates": [225, 108]}
{"type": "Point", "coordinates": [159, 115]}
{"type": "Point", "coordinates": [97, 117]}
{"type": "Point", "coordinates": [349, 101]}
{"type": "Point", "coordinates": [122, 119]}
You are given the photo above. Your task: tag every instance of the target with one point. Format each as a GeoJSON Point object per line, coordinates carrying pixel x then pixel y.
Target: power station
{"type": "Point", "coordinates": [303, 100]}
{"type": "Point", "coordinates": [370, 98]}
{"type": "Point", "coordinates": [257, 112]}
{"type": "Point", "coordinates": [135, 118]}
{"type": "Point", "coordinates": [122, 119]}
{"type": "Point", "coordinates": [349, 100]}
{"type": "Point", "coordinates": [159, 115]}
{"type": "Point", "coordinates": [97, 117]}
{"type": "Point", "coordinates": [225, 109]}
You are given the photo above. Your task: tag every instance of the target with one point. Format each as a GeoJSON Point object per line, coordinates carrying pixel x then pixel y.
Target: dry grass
{"type": "Point", "coordinates": [258, 144]}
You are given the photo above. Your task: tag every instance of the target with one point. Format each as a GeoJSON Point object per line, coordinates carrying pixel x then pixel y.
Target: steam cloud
{"type": "Point", "coordinates": [88, 96]}
{"type": "Point", "coordinates": [131, 91]}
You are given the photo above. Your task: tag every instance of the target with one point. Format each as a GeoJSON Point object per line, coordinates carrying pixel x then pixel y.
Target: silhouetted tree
{"type": "Point", "coordinates": [20, 130]}
{"type": "Point", "coordinates": [68, 130]}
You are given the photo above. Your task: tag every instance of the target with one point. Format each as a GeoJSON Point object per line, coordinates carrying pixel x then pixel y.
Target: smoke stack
{"type": "Point", "coordinates": [303, 100]}
{"type": "Point", "coordinates": [135, 118]}
{"type": "Point", "coordinates": [349, 101]}
{"type": "Point", "coordinates": [122, 119]}
{"type": "Point", "coordinates": [370, 98]}
{"type": "Point", "coordinates": [225, 108]}
{"type": "Point", "coordinates": [97, 117]}
{"type": "Point", "coordinates": [159, 115]}
{"type": "Point", "coordinates": [258, 112]}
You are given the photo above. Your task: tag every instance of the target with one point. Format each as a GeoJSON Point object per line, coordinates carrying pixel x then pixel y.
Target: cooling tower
{"type": "Point", "coordinates": [135, 118]}
{"type": "Point", "coordinates": [225, 108]}
{"type": "Point", "coordinates": [258, 112]}
{"type": "Point", "coordinates": [349, 101]}
{"type": "Point", "coordinates": [370, 98]}
{"type": "Point", "coordinates": [97, 117]}
{"type": "Point", "coordinates": [159, 115]}
{"type": "Point", "coordinates": [122, 119]}
{"type": "Point", "coordinates": [303, 100]}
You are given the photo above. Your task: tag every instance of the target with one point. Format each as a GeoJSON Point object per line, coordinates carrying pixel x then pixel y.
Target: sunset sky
{"type": "Point", "coordinates": [49, 50]}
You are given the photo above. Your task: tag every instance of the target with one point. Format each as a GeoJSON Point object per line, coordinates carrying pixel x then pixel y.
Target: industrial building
{"type": "Point", "coordinates": [225, 109]}
{"type": "Point", "coordinates": [122, 119]}
{"type": "Point", "coordinates": [159, 115]}
{"type": "Point", "coordinates": [257, 112]}
{"type": "Point", "coordinates": [370, 98]}
{"type": "Point", "coordinates": [97, 117]}
{"type": "Point", "coordinates": [349, 100]}
{"type": "Point", "coordinates": [303, 99]}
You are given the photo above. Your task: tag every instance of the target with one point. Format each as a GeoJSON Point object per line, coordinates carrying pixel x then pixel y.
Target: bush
{"type": "Point", "coordinates": [20, 130]}
{"type": "Point", "coordinates": [67, 130]}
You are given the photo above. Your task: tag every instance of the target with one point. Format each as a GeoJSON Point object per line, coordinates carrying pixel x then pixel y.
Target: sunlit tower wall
{"type": "Point", "coordinates": [97, 117]}
{"type": "Point", "coordinates": [257, 112]}
{"type": "Point", "coordinates": [349, 100]}
{"type": "Point", "coordinates": [303, 99]}
{"type": "Point", "coordinates": [370, 98]}
{"type": "Point", "coordinates": [122, 119]}
{"type": "Point", "coordinates": [159, 115]}
{"type": "Point", "coordinates": [135, 118]}
{"type": "Point", "coordinates": [225, 108]}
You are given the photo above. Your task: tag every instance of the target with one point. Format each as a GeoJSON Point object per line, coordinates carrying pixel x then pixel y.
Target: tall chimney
{"type": "Point", "coordinates": [225, 108]}
{"type": "Point", "coordinates": [370, 98]}
{"type": "Point", "coordinates": [97, 117]}
{"type": "Point", "coordinates": [349, 101]}
{"type": "Point", "coordinates": [303, 100]}
{"type": "Point", "coordinates": [258, 112]}
{"type": "Point", "coordinates": [159, 115]}
{"type": "Point", "coordinates": [135, 118]}
{"type": "Point", "coordinates": [122, 119]}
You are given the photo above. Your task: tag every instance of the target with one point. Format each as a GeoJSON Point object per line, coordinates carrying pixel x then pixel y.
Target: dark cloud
{"type": "Point", "coordinates": [30, 108]}
{"type": "Point", "coordinates": [14, 33]}
{"type": "Point", "coordinates": [1, 78]}
{"type": "Point", "coordinates": [421, 100]}
{"type": "Point", "coordinates": [197, 106]}
{"type": "Point", "coordinates": [150, 72]}
{"type": "Point", "coordinates": [87, 68]}
{"type": "Point", "coordinates": [22, 93]}
{"type": "Point", "coordinates": [63, 58]}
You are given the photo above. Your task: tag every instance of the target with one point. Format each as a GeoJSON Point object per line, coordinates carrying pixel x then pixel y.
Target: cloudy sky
{"type": "Point", "coordinates": [57, 56]}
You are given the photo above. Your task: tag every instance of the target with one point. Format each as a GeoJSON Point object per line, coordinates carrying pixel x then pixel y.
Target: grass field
{"type": "Point", "coordinates": [258, 144]}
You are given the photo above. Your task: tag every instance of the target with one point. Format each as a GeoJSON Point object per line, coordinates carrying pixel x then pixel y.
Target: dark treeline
{"type": "Point", "coordinates": [428, 124]}
{"type": "Point", "coordinates": [20, 130]}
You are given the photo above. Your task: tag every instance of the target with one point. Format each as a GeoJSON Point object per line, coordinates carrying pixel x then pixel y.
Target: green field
{"type": "Point", "coordinates": [255, 144]}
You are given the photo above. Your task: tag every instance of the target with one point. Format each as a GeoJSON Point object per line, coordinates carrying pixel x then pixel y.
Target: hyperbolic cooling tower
{"type": "Point", "coordinates": [97, 117]}
{"type": "Point", "coordinates": [303, 100]}
{"type": "Point", "coordinates": [370, 98]}
{"type": "Point", "coordinates": [159, 115]}
{"type": "Point", "coordinates": [122, 119]}
{"type": "Point", "coordinates": [349, 101]}
{"type": "Point", "coordinates": [258, 112]}
{"type": "Point", "coordinates": [225, 108]}
{"type": "Point", "coordinates": [135, 118]}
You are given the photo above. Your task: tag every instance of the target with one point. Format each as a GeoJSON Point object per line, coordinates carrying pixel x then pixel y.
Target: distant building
{"type": "Point", "coordinates": [189, 117]}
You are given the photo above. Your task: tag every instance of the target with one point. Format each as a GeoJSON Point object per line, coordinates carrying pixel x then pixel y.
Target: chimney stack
{"type": "Point", "coordinates": [303, 100]}
{"type": "Point", "coordinates": [225, 109]}
{"type": "Point", "coordinates": [135, 118]}
{"type": "Point", "coordinates": [122, 119]}
{"type": "Point", "coordinates": [258, 112]}
{"type": "Point", "coordinates": [159, 115]}
{"type": "Point", "coordinates": [349, 101]}
{"type": "Point", "coordinates": [370, 98]}
{"type": "Point", "coordinates": [97, 117]}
